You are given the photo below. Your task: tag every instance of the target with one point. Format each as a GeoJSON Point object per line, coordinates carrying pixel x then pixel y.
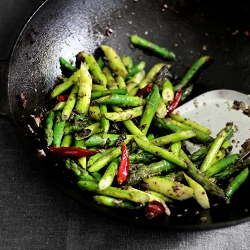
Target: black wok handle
{"type": "Point", "coordinates": [4, 103]}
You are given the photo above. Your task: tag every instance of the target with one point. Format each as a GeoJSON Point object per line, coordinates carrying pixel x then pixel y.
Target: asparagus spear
{"type": "Point", "coordinates": [66, 141]}
{"type": "Point", "coordinates": [127, 61]}
{"type": "Point", "coordinates": [95, 157]}
{"type": "Point", "coordinates": [146, 171]}
{"type": "Point", "coordinates": [121, 82]}
{"type": "Point", "coordinates": [199, 192]}
{"type": "Point", "coordinates": [179, 118]}
{"type": "Point", "coordinates": [142, 156]}
{"type": "Point", "coordinates": [79, 172]}
{"type": "Point", "coordinates": [200, 153]}
{"type": "Point", "coordinates": [84, 92]}
{"type": "Point", "coordinates": [173, 137]}
{"type": "Point", "coordinates": [93, 66]}
{"type": "Point", "coordinates": [58, 129]}
{"type": "Point", "coordinates": [134, 81]}
{"type": "Point", "coordinates": [98, 94]}
{"type": "Point", "coordinates": [104, 121]}
{"type": "Point", "coordinates": [70, 103]}
{"type": "Point", "coordinates": [174, 190]}
{"type": "Point", "coordinates": [101, 140]}
{"type": "Point", "coordinates": [191, 72]}
{"type": "Point", "coordinates": [161, 77]}
{"type": "Point", "coordinates": [161, 110]}
{"type": "Point", "coordinates": [170, 124]}
{"type": "Point", "coordinates": [186, 91]}
{"type": "Point", "coordinates": [232, 169]}
{"type": "Point", "coordinates": [107, 72]}
{"type": "Point", "coordinates": [49, 127]}
{"type": "Point", "coordinates": [59, 106]}
{"type": "Point", "coordinates": [149, 110]}
{"type": "Point", "coordinates": [221, 165]}
{"type": "Point", "coordinates": [213, 150]}
{"type": "Point", "coordinates": [100, 62]}
{"type": "Point", "coordinates": [94, 112]}
{"type": "Point", "coordinates": [125, 114]}
{"type": "Point", "coordinates": [151, 74]}
{"type": "Point", "coordinates": [109, 174]}
{"type": "Point", "coordinates": [175, 148]}
{"type": "Point", "coordinates": [82, 160]}
{"type": "Point", "coordinates": [120, 100]}
{"type": "Point", "coordinates": [130, 193]}
{"type": "Point", "coordinates": [152, 46]}
{"type": "Point", "coordinates": [197, 175]}
{"type": "Point", "coordinates": [61, 88]}
{"type": "Point", "coordinates": [96, 175]}
{"type": "Point", "coordinates": [165, 154]}
{"type": "Point", "coordinates": [177, 176]}
{"type": "Point", "coordinates": [167, 92]}
{"type": "Point", "coordinates": [97, 87]}
{"type": "Point", "coordinates": [67, 65]}
{"type": "Point", "coordinates": [161, 196]}
{"type": "Point", "coordinates": [136, 69]}
{"type": "Point", "coordinates": [131, 127]}
{"type": "Point", "coordinates": [92, 129]}
{"type": "Point", "coordinates": [114, 202]}
{"type": "Point", "coordinates": [115, 61]}
{"type": "Point", "coordinates": [106, 159]}
{"type": "Point", "coordinates": [236, 183]}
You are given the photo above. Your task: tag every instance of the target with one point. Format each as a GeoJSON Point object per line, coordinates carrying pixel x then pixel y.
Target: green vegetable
{"type": "Point", "coordinates": [58, 129]}
{"type": "Point", "coordinates": [107, 108]}
{"type": "Point", "coordinates": [171, 189]}
{"type": "Point", "coordinates": [150, 75]}
{"type": "Point", "coordinates": [146, 171]}
{"type": "Point", "coordinates": [213, 150]}
{"type": "Point", "coordinates": [199, 192]}
{"type": "Point", "coordinates": [165, 154]}
{"type": "Point", "coordinates": [61, 88]}
{"type": "Point", "coordinates": [49, 127]}
{"type": "Point", "coordinates": [152, 47]}
{"type": "Point", "coordinates": [237, 182]}
{"type": "Point", "coordinates": [192, 70]}
{"type": "Point", "coordinates": [120, 100]}
{"type": "Point", "coordinates": [130, 194]}
{"type": "Point", "coordinates": [149, 110]}
{"type": "Point", "coordinates": [93, 67]}
{"type": "Point", "coordinates": [114, 202]}
{"type": "Point", "coordinates": [70, 103]}
{"type": "Point", "coordinates": [84, 92]}
{"type": "Point", "coordinates": [109, 174]}
{"type": "Point", "coordinates": [115, 61]}
{"type": "Point", "coordinates": [67, 65]}
{"type": "Point", "coordinates": [222, 164]}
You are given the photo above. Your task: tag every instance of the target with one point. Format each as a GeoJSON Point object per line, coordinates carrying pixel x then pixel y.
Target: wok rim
{"type": "Point", "coordinates": [78, 198]}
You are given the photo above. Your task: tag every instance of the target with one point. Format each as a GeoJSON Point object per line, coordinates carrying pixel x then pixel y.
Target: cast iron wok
{"type": "Point", "coordinates": [188, 28]}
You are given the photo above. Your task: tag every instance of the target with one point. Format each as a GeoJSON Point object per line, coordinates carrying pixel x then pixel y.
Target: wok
{"type": "Point", "coordinates": [188, 28]}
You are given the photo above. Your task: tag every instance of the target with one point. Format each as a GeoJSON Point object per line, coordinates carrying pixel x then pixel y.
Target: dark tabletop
{"type": "Point", "coordinates": [34, 214]}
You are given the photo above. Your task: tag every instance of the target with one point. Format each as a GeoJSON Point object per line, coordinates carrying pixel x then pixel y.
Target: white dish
{"type": "Point", "coordinates": [214, 109]}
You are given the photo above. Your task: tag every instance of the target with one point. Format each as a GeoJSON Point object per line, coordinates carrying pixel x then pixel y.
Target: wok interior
{"type": "Point", "coordinates": [188, 28]}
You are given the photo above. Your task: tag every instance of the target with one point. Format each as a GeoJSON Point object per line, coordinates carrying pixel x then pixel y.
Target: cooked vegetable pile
{"type": "Point", "coordinates": [115, 128]}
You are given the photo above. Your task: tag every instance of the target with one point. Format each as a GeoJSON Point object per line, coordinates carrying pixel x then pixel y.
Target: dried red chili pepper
{"type": "Point", "coordinates": [145, 91]}
{"type": "Point", "coordinates": [154, 209]}
{"type": "Point", "coordinates": [72, 152]}
{"type": "Point", "coordinates": [175, 103]}
{"type": "Point", "coordinates": [62, 98]}
{"type": "Point", "coordinates": [124, 165]}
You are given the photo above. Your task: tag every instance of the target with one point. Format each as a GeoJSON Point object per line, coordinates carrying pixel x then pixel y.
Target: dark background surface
{"type": "Point", "coordinates": [34, 214]}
